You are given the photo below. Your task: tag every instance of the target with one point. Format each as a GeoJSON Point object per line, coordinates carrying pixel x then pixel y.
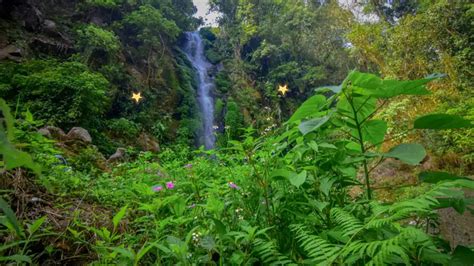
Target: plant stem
{"type": "Point", "coordinates": [362, 148]}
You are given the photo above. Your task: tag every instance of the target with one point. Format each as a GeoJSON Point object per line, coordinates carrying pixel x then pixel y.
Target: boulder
{"type": "Point", "coordinates": [49, 25]}
{"type": "Point", "coordinates": [52, 132]}
{"type": "Point", "coordinates": [148, 143]}
{"type": "Point", "coordinates": [117, 156]}
{"type": "Point", "coordinates": [79, 133]}
{"type": "Point", "coordinates": [11, 52]}
{"type": "Point", "coordinates": [45, 132]}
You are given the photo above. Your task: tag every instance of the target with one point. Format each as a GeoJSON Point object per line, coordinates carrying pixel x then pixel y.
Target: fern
{"type": "Point", "coordinates": [318, 249]}
{"type": "Point", "coordinates": [382, 238]}
{"type": "Point", "coordinates": [349, 224]}
{"type": "Point", "coordinates": [269, 254]}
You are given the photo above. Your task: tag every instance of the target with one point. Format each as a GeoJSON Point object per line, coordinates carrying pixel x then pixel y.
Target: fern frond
{"type": "Point", "coordinates": [269, 254]}
{"type": "Point", "coordinates": [349, 224]}
{"type": "Point", "coordinates": [421, 205]}
{"type": "Point", "coordinates": [318, 249]}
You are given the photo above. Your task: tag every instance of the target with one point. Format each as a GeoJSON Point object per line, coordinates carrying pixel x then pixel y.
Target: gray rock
{"type": "Point", "coordinates": [52, 132]}
{"type": "Point", "coordinates": [49, 25]}
{"type": "Point", "coordinates": [45, 132]}
{"type": "Point", "coordinates": [148, 143]}
{"type": "Point", "coordinates": [11, 52]}
{"type": "Point", "coordinates": [117, 156]}
{"type": "Point", "coordinates": [79, 133]}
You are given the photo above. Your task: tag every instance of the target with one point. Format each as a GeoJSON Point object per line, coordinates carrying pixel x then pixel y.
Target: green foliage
{"type": "Point", "coordinates": [63, 94]}
{"type": "Point", "coordinates": [433, 38]}
{"type": "Point", "coordinates": [124, 128]}
{"type": "Point", "coordinates": [151, 25]}
{"type": "Point", "coordinates": [94, 41]}
{"type": "Point", "coordinates": [104, 3]}
{"type": "Point", "coordinates": [233, 119]}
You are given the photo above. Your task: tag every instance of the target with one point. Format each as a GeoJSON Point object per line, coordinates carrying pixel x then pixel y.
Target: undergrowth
{"type": "Point", "coordinates": [278, 199]}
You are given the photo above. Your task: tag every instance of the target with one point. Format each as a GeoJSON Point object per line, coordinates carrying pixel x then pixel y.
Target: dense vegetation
{"type": "Point", "coordinates": [349, 167]}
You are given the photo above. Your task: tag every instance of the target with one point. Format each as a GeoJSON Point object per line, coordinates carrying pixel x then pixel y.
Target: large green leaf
{"type": "Point", "coordinates": [441, 121]}
{"type": "Point", "coordinates": [297, 179]}
{"type": "Point", "coordinates": [11, 218]}
{"type": "Point", "coordinates": [309, 108]}
{"type": "Point", "coordinates": [435, 177]}
{"type": "Point", "coordinates": [310, 125]}
{"type": "Point", "coordinates": [462, 256]}
{"type": "Point", "coordinates": [371, 85]}
{"type": "Point", "coordinates": [335, 89]}
{"type": "Point", "coordinates": [364, 106]}
{"type": "Point", "coordinates": [12, 157]}
{"type": "Point", "coordinates": [412, 153]}
{"type": "Point", "coordinates": [374, 131]}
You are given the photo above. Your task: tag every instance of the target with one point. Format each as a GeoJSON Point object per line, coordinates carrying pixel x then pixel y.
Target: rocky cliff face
{"type": "Point", "coordinates": [109, 37]}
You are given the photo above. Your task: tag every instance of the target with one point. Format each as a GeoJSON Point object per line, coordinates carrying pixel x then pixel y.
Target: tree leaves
{"type": "Point", "coordinates": [441, 121]}
{"type": "Point", "coordinates": [411, 154]}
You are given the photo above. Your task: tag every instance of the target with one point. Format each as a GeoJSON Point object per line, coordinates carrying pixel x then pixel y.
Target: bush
{"type": "Point", "coordinates": [233, 119]}
{"type": "Point", "coordinates": [123, 127]}
{"type": "Point", "coordinates": [94, 41]}
{"type": "Point", "coordinates": [65, 94]}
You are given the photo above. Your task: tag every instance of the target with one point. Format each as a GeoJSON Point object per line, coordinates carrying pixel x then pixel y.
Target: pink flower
{"type": "Point", "coordinates": [169, 185]}
{"type": "Point", "coordinates": [157, 188]}
{"type": "Point", "coordinates": [233, 186]}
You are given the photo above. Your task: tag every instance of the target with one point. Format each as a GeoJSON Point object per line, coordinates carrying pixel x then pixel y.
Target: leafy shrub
{"type": "Point", "coordinates": [150, 24]}
{"type": "Point", "coordinates": [104, 3]}
{"type": "Point", "coordinates": [233, 119]}
{"type": "Point", "coordinates": [94, 40]}
{"type": "Point", "coordinates": [283, 198]}
{"type": "Point", "coordinates": [65, 94]}
{"type": "Point", "coordinates": [123, 127]}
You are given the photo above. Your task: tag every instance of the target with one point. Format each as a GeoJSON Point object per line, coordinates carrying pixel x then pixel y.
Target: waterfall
{"type": "Point", "coordinates": [194, 50]}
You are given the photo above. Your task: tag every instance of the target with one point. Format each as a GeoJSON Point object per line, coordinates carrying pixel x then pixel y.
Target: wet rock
{"type": "Point", "coordinates": [11, 52]}
{"type": "Point", "coordinates": [148, 143]}
{"type": "Point", "coordinates": [49, 25]}
{"type": "Point", "coordinates": [79, 133]}
{"type": "Point", "coordinates": [117, 156]}
{"type": "Point", "coordinates": [52, 47]}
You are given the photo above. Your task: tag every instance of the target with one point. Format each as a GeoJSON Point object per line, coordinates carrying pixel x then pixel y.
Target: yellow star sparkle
{"type": "Point", "coordinates": [136, 96]}
{"type": "Point", "coordinates": [283, 89]}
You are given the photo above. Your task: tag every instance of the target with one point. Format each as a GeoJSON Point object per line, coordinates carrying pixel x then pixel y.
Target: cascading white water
{"type": "Point", "coordinates": [194, 50]}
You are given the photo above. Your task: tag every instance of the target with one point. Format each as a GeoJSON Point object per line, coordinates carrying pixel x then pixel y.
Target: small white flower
{"type": "Point", "coordinates": [215, 127]}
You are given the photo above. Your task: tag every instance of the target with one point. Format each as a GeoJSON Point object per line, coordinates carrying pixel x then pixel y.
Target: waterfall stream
{"type": "Point", "coordinates": [194, 50]}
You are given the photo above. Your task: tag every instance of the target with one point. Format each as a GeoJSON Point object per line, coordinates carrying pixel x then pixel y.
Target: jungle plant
{"type": "Point", "coordinates": [367, 232]}
{"type": "Point", "coordinates": [97, 42]}
{"type": "Point", "coordinates": [17, 248]}
{"type": "Point", "coordinates": [63, 94]}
